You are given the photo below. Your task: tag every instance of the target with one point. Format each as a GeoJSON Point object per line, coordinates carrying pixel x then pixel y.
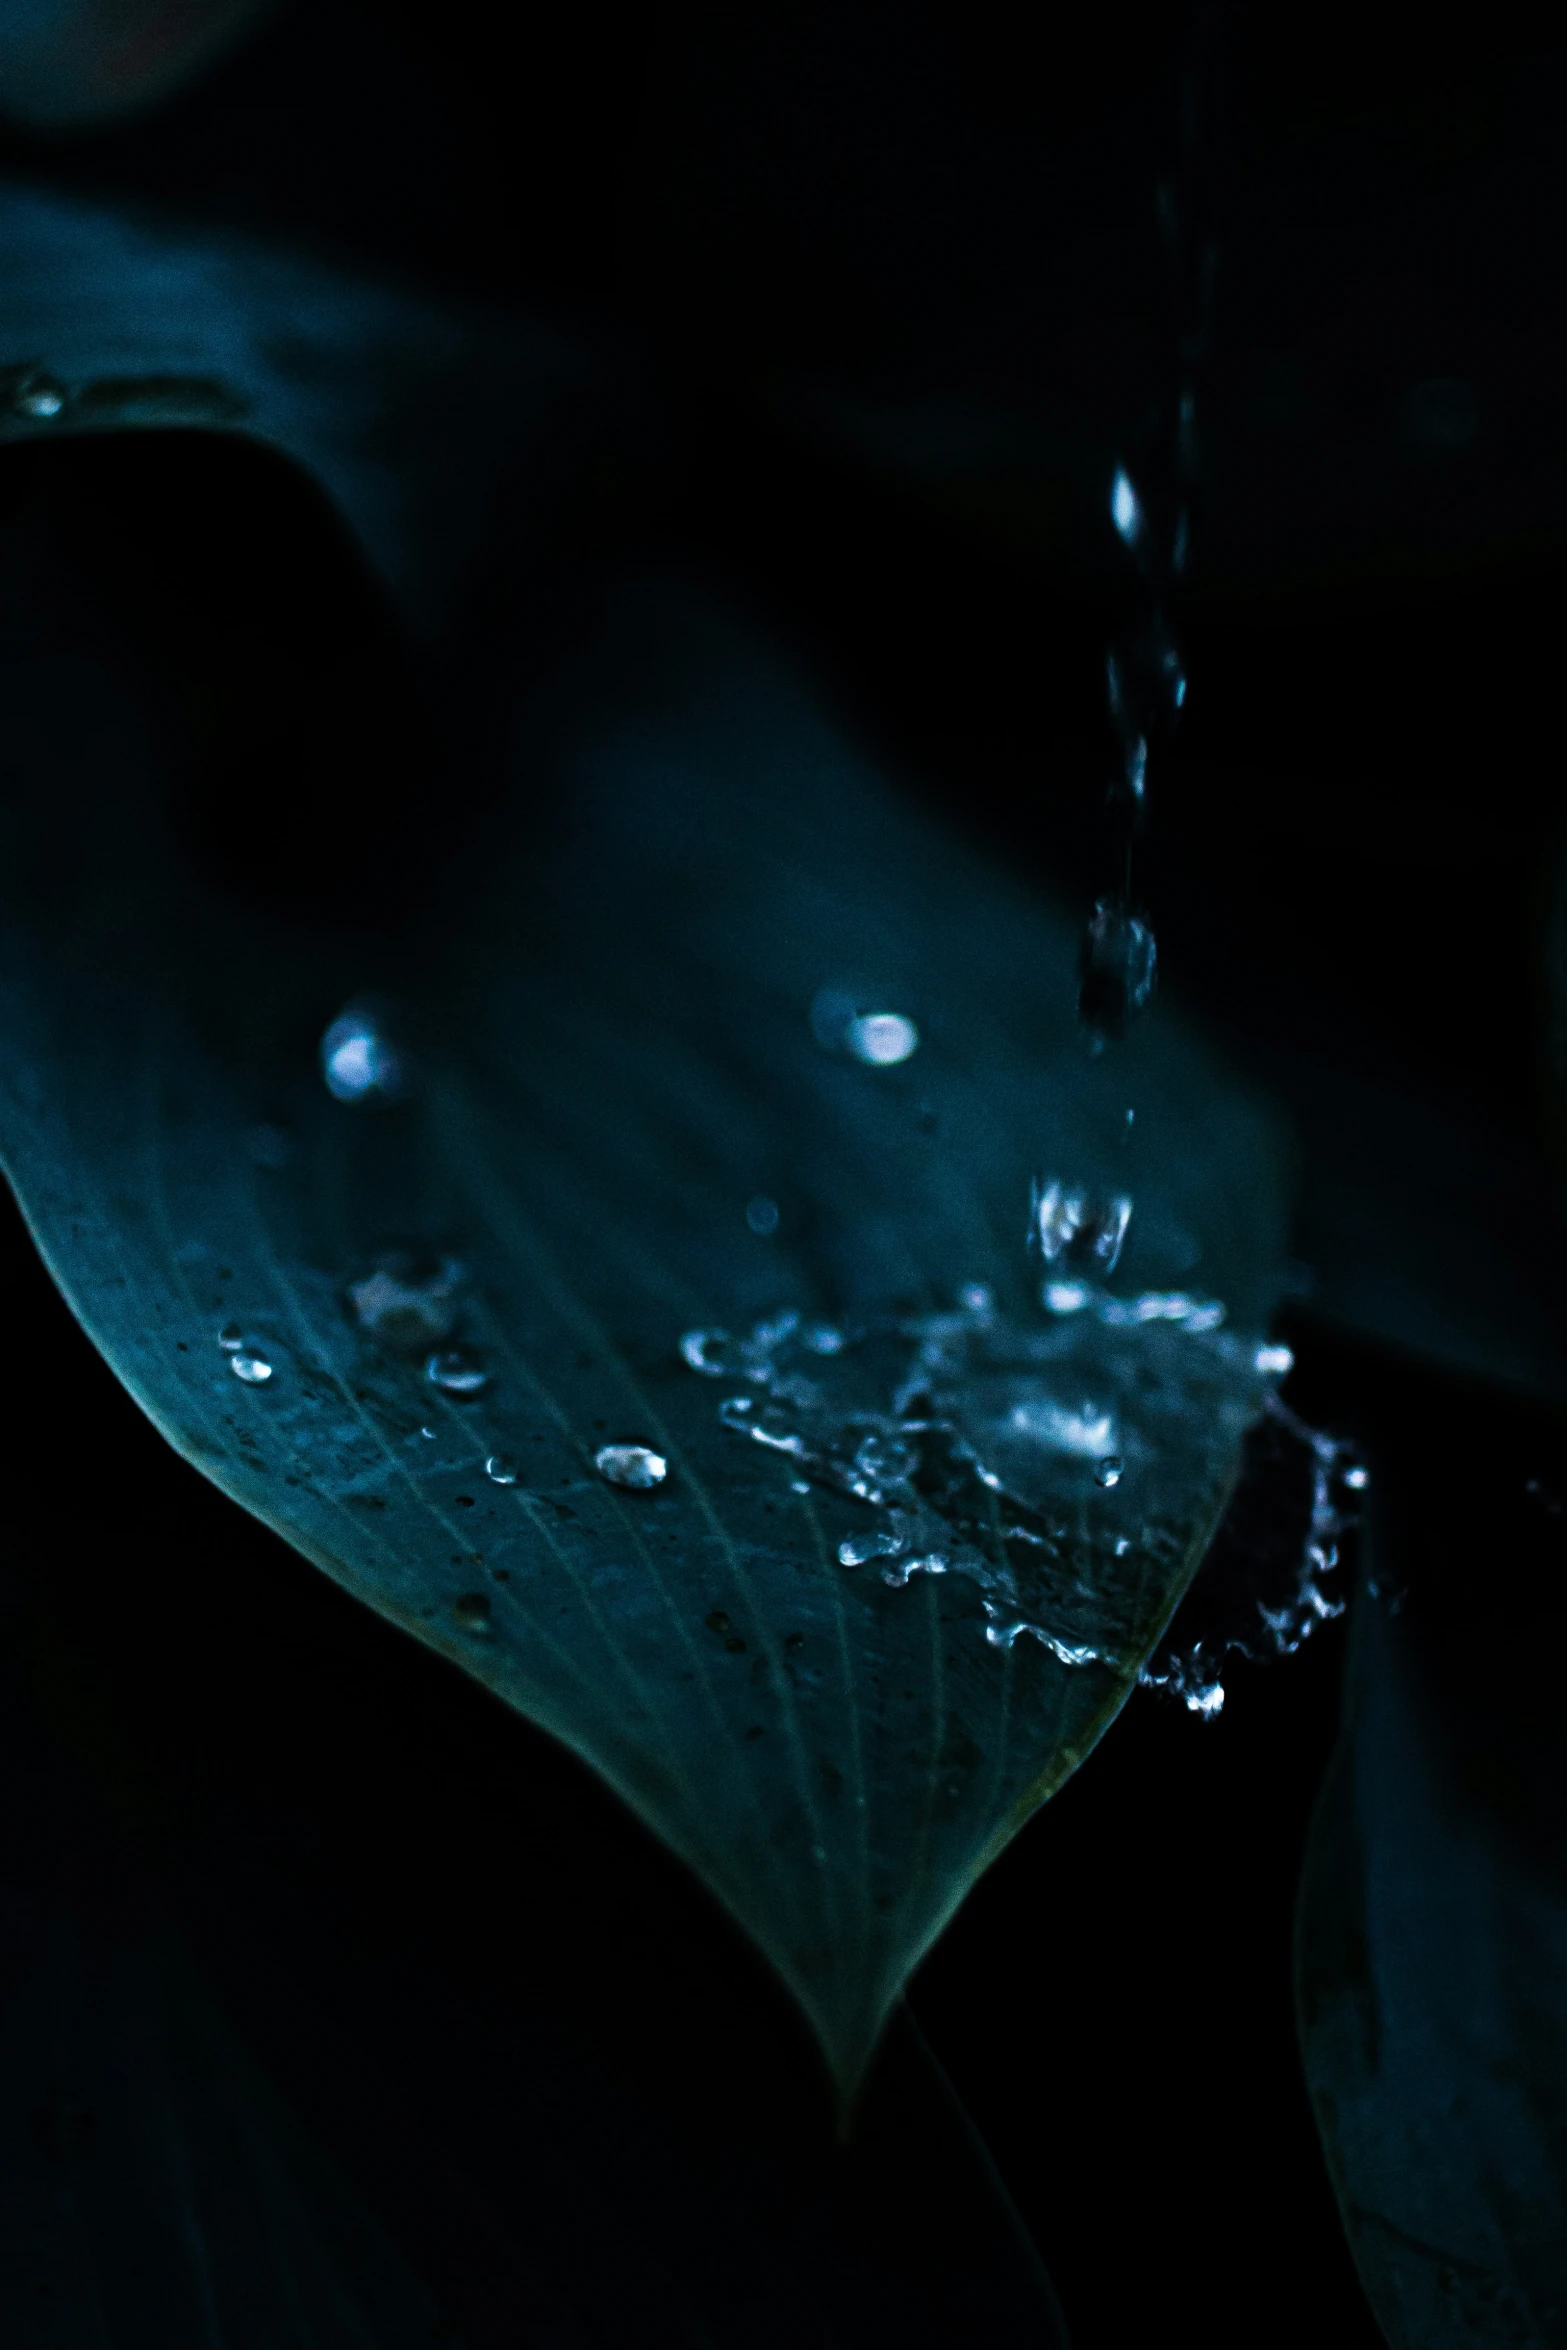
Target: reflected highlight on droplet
{"type": "Point", "coordinates": [501, 1469]}
{"type": "Point", "coordinates": [252, 1370]}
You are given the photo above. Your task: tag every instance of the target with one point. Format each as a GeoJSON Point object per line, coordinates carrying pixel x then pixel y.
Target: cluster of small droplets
{"type": "Point", "coordinates": [1145, 680]}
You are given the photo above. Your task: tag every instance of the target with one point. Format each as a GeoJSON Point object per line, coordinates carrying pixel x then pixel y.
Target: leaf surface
{"type": "Point", "coordinates": [1431, 1960]}
{"type": "Point", "coordinates": [616, 1126]}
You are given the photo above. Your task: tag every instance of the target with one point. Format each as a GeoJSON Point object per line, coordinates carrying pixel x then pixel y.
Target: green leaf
{"type": "Point", "coordinates": [1431, 1964]}
{"type": "Point", "coordinates": [609, 1056]}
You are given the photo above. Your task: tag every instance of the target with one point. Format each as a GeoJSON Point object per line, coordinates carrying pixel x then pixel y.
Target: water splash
{"type": "Point", "coordinates": [1267, 1582]}
{"type": "Point", "coordinates": [994, 1451]}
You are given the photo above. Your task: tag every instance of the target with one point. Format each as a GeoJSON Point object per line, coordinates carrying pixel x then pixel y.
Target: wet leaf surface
{"type": "Point", "coordinates": [582, 1113]}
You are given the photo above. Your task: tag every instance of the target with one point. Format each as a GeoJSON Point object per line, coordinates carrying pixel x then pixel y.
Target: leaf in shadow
{"type": "Point", "coordinates": [1431, 1964]}
{"type": "Point", "coordinates": [258, 2091]}
{"type": "Point", "coordinates": [404, 1326]}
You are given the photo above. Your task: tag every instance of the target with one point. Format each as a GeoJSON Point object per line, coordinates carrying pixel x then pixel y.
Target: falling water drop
{"type": "Point", "coordinates": [1076, 1232]}
{"type": "Point", "coordinates": [1109, 1470]}
{"type": "Point", "coordinates": [635, 1468]}
{"type": "Point", "coordinates": [501, 1469]}
{"type": "Point", "coordinates": [358, 1060]}
{"type": "Point", "coordinates": [1116, 965]}
{"type": "Point", "coordinates": [252, 1369]}
{"type": "Point", "coordinates": [456, 1373]}
{"type": "Point", "coordinates": [882, 1039]}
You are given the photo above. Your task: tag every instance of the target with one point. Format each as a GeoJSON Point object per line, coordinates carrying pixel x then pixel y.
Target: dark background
{"type": "Point", "coordinates": [792, 230]}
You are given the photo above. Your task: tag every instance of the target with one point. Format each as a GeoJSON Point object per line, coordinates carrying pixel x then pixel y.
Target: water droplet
{"type": "Point", "coordinates": [501, 1469]}
{"type": "Point", "coordinates": [633, 1467]}
{"type": "Point", "coordinates": [886, 1460]}
{"type": "Point", "coordinates": [408, 1301]}
{"type": "Point", "coordinates": [860, 1548]}
{"type": "Point", "coordinates": [456, 1373]}
{"type": "Point", "coordinates": [430, 1432]}
{"type": "Point", "coordinates": [253, 1369]}
{"type": "Point", "coordinates": [1076, 1231]}
{"type": "Point", "coordinates": [36, 396]}
{"type": "Point", "coordinates": [799, 1485]}
{"type": "Point", "coordinates": [714, 1353]}
{"type": "Point", "coordinates": [1274, 1361]}
{"type": "Point", "coordinates": [1110, 1470]}
{"type": "Point", "coordinates": [934, 1562]}
{"type": "Point", "coordinates": [761, 1213]}
{"type": "Point", "coordinates": [358, 1061]}
{"type": "Point", "coordinates": [1065, 1297]}
{"type": "Point", "coordinates": [735, 1412]}
{"type": "Point", "coordinates": [1357, 1479]}
{"type": "Point", "coordinates": [1126, 509]}
{"type": "Point", "coordinates": [472, 1611]}
{"type": "Point", "coordinates": [882, 1039]}
{"type": "Point", "coordinates": [1088, 1434]}
{"type": "Point", "coordinates": [1116, 966]}
{"type": "Point", "coordinates": [231, 1338]}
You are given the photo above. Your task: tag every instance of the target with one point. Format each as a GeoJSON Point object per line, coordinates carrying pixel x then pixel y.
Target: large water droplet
{"type": "Point", "coordinates": [501, 1469]}
{"type": "Point", "coordinates": [882, 1039]}
{"type": "Point", "coordinates": [408, 1301]}
{"type": "Point", "coordinates": [1116, 965]}
{"type": "Point", "coordinates": [456, 1373]}
{"type": "Point", "coordinates": [635, 1468]}
{"type": "Point", "coordinates": [358, 1059]}
{"type": "Point", "coordinates": [1110, 1470]}
{"type": "Point", "coordinates": [253, 1369]}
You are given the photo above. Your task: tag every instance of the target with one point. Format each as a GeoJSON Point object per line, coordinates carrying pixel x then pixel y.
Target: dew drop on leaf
{"type": "Point", "coordinates": [472, 1611]}
{"type": "Point", "coordinates": [501, 1469]}
{"type": "Point", "coordinates": [231, 1338]}
{"type": "Point", "coordinates": [1109, 1470]}
{"type": "Point", "coordinates": [253, 1369]}
{"type": "Point", "coordinates": [456, 1373]}
{"type": "Point", "coordinates": [635, 1468]}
